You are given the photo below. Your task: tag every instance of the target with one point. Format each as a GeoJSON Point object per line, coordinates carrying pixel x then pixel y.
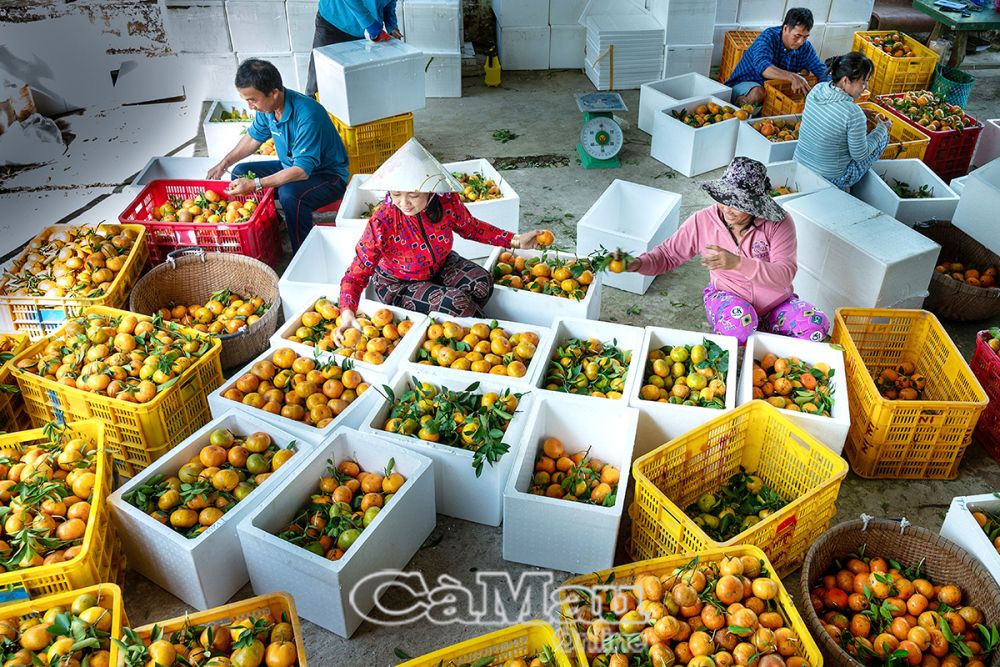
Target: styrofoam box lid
{"type": "Point", "coordinates": [623, 23]}
{"type": "Point", "coordinates": [988, 174]}
{"type": "Point", "coordinates": [832, 208]}
{"type": "Point", "coordinates": [362, 53]}
{"type": "Point", "coordinates": [599, 7]}
{"type": "Point", "coordinates": [883, 238]}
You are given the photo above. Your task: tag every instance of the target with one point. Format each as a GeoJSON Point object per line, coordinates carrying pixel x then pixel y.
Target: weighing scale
{"type": "Point", "coordinates": [601, 137]}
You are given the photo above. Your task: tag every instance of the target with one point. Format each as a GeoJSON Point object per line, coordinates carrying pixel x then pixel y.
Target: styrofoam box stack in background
{"type": "Point", "coordinates": [657, 95]}
{"type": "Point", "coordinates": [301, 23]}
{"type": "Point", "coordinates": [761, 12]}
{"type": "Point", "coordinates": [662, 422]}
{"type": "Point", "coordinates": [976, 212]}
{"type": "Point", "coordinates": [320, 263]}
{"type": "Point", "coordinates": [719, 40]}
{"type": "Point", "coordinates": [683, 58]}
{"type": "Point", "coordinates": [301, 61]}
{"type": "Point", "coordinates": [817, 36]}
{"type": "Point", "coordinates": [851, 11]}
{"type": "Point", "coordinates": [184, 22]}
{"type": "Point", "coordinates": [567, 46]}
{"type": "Point", "coordinates": [832, 430]}
{"type": "Point", "coordinates": [820, 10]}
{"type": "Point", "coordinates": [433, 25]}
{"type": "Point", "coordinates": [353, 78]}
{"type": "Point", "coordinates": [213, 72]}
{"type": "Point", "coordinates": [879, 262]}
{"type": "Point", "coordinates": [284, 62]}
{"type": "Point", "coordinates": [635, 218]}
{"type": "Point", "coordinates": [331, 593]}
{"type": "Point", "coordinates": [797, 177]}
{"type": "Point", "coordinates": [638, 53]}
{"type": "Point", "coordinates": [961, 528]}
{"type": "Point", "coordinates": [875, 187]}
{"type": "Point", "coordinates": [988, 146]}
{"type": "Point", "coordinates": [523, 47]}
{"type": "Point", "coordinates": [751, 143]}
{"type": "Point", "coordinates": [521, 305]}
{"type": "Point", "coordinates": [689, 150]}
{"type": "Point", "coordinates": [839, 37]}
{"type": "Point", "coordinates": [205, 571]}
{"type": "Point", "coordinates": [459, 493]}
{"type": "Point", "coordinates": [727, 12]}
{"type": "Point", "coordinates": [443, 74]}
{"type": "Point", "coordinates": [684, 21]}
{"type": "Point", "coordinates": [566, 12]}
{"type": "Point", "coordinates": [259, 26]}
{"type": "Point", "coordinates": [521, 13]}
{"type": "Point", "coordinates": [557, 533]}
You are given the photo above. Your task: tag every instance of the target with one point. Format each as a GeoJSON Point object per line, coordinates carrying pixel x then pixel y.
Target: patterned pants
{"type": "Point", "coordinates": [461, 288]}
{"type": "Point", "coordinates": [856, 169]}
{"type": "Point", "coordinates": [730, 315]}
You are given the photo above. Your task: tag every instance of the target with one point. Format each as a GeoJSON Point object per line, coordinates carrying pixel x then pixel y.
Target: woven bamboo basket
{"type": "Point", "coordinates": [191, 276]}
{"type": "Point", "coordinates": [951, 299]}
{"type": "Point", "coordinates": [944, 562]}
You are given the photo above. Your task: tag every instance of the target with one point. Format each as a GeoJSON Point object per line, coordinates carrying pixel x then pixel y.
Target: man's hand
{"type": "Point", "coordinates": [719, 258]}
{"type": "Point", "coordinates": [216, 172]}
{"type": "Point", "coordinates": [799, 84]}
{"type": "Point", "coordinates": [241, 186]}
{"type": "Point", "coordinates": [397, 34]}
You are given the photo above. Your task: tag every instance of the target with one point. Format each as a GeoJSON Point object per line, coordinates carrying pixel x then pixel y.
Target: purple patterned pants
{"type": "Point", "coordinates": [731, 315]}
{"type": "Point", "coordinates": [461, 288]}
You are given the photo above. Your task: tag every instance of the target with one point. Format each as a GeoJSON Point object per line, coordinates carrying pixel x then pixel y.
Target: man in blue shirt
{"type": "Point", "coordinates": [348, 20]}
{"type": "Point", "coordinates": [780, 53]}
{"type": "Point", "coordinates": [311, 169]}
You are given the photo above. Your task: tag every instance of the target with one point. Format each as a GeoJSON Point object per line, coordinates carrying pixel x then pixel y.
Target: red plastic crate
{"type": "Point", "coordinates": [950, 152]}
{"type": "Point", "coordinates": [985, 366]}
{"type": "Point", "coordinates": [257, 237]}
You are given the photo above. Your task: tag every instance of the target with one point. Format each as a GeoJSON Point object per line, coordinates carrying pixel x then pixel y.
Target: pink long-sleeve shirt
{"type": "Point", "coordinates": [766, 252]}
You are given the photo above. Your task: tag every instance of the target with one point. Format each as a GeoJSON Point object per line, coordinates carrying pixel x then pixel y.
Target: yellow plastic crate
{"type": "Point", "coordinates": [371, 144]}
{"type": "Point", "coordinates": [39, 316]}
{"type": "Point", "coordinates": [735, 43]}
{"type": "Point", "coordinates": [905, 140]}
{"type": "Point", "coordinates": [906, 439]}
{"type": "Point", "coordinates": [13, 416]}
{"type": "Point", "coordinates": [135, 433]}
{"type": "Point", "coordinates": [625, 575]}
{"type": "Point", "coordinates": [280, 607]}
{"type": "Point", "coordinates": [101, 558]}
{"type": "Point", "coordinates": [516, 641]}
{"type": "Point", "coordinates": [896, 75]}
{"type": "Point", "coordinates": [781, 100]}
{"type": "Point", "coordinates": [766, 443]}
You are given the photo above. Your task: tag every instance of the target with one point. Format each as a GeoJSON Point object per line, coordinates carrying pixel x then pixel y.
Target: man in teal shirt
{"type": "Point", "coordinates": [348, 20]}
{"type": "Point", "coordinates": [311, 169]}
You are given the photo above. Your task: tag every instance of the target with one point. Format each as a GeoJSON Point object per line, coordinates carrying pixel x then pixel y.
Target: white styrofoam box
{"type": "Point", "coordinates": [567, 45]}
{"type": "Point", "coordinates": [184, 22]}
{"type": "Point", "coordinates": [521, 13]}
{"type": "Point", "coordinates": [627, 339]}
{"type": "Point", "coordinates": [205, 571]}
{"type": "Point", "coordinates": [388, 368]}
{"type": "Point", "coordinates": [353, 78]}
{"type": "Point", "coordinates": [875, 187]}
{"type": "Point", "coordinates": [976, 212]}
{"type": "Point", "coordinates": [301, 24]}
{"type": "Point", "coordinates": [354, 207]}
{"type": "Point", "coordinates": [565, 12]}
{"type": "Point", "coordinates": [719, 39]}
{"type": "Point", "coordinates": [961, 528]}
{"type": "Point", "coordinates": [817, 36]}
{"type": "Point", "coordinates": [726, 12]}
{"type": "Point", "coordinates": [258, 25]}
{"type": "Point", "coordinates": [839, 37]}
{"type": "Point", "coordinates": [662, 422]}
{"type": "Point", "coordinates": [988, 146]}
{"type": "Point", "coordinates": [443, 74]}
{"type": "Point", "coordinates": [336, 594]}
{"type": "Point", "coordinates": [598, 7]}
{"type": "Point", "coordinates": [433, 25]}
{"type": "Point", "coordinates": [563, 534]}
{"type": "Point", "coordinates": [301, 61]}
{"type": "Point", "coordinates": [284, 62]}
{"type": "Point", "coordinates": [535, 367]}
{"type": "Point", "coordinates": [684, 21]}
{"type": "Point", "coordinates": [523, 47]}
{"type": "Point", "coordinates": [762, 12]}
{"type": "Point", "coordinates": [820, 10]}
{"type": "Point", "coordinates": [683, 58]}
{"type": "Point", "coordinates": [177, 168]}
{"type": "Point", "coordinates": [797, 177]}
{"type": "Point", "coordinates": [851, 11]}
{"type": "Point", "coordinates": [521, 305]}
{"type": "Point", "coordinates": [320, 263]}
{"type": "Point", "coordinates": [693, 151]}
{"type": "Point", "coordinates": [503, 213]}
{"type": "Point", "coordinates": [832, 430]}
{"type": "Point", "coordinates": [657, 95]}
{"type": "Point", "coordinates": [310, 435]}
{"type": "Point", "coordinates": [958, 184]}
{"type": "Point", "coordinates": [215, 74]}
{"type": "Point", "coordinates": [631, 217]}
{"type": "Point", "coordinates": [888, 261]}
{"type": "Point", "coordinates": [459, 493]}
{"type": "Point", "coordinates": [751, 143]}
{"type": "Point", "coordinates": [221, 137]}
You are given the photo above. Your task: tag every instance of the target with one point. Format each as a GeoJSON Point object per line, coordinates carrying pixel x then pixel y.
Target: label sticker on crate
{"type": "Point", "coordinates": [57, 315]}
{"type": "Point", "coordinates": [13, 593]}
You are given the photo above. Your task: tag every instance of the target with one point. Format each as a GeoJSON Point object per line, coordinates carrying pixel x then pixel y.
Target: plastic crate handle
{"type": "Point", "coordinates": [184, 252]}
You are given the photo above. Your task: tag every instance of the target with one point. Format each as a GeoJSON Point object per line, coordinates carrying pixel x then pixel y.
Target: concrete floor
{"type": "Point", "coordinates": [540, 109]}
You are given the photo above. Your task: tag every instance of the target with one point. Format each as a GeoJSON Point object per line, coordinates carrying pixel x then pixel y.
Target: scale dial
{"type": "Point", "coordinates": [601, 138]}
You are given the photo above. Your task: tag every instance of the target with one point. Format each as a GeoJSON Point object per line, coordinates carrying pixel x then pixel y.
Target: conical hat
{"type": "Point", "coordinates": [412, 169]}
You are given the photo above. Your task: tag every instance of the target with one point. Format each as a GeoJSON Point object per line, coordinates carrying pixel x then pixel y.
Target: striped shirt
{"type": "Point", "coordinates": [834, 131]}
{"type": "Point", "coordinates": [768, 50]}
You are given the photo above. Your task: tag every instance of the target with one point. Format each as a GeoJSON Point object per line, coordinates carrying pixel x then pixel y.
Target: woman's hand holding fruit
{"type": "Point", "coordinates": [347, 321]}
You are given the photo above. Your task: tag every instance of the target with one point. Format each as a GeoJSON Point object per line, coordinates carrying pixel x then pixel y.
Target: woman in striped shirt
{"type": "Point", "coordinates": [834, 140]}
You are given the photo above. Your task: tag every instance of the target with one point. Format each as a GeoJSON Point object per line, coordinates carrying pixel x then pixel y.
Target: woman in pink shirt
{"type": "Point", "coordinates": [747, 242]}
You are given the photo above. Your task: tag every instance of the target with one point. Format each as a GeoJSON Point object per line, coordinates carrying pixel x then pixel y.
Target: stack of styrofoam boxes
{"type": "Point", "coordinates": [853, 255]}
{"type": "Point", "coordinates": [988, 146]}
{"type": "Point", "coordinates": [523, 34]}
{"type": "Point", "coordinates": [821, 11]}
{"type": "Point", "coordinates": [259, 29]}
{"type": "Point", "coordinates": [568, 38]}
{"type": "Point", "coordinates": [726, 20]}
{"type": "Point", "coordinates": [301, 15]}
{"type": "Point", "coordinates": [688, 27]}
{"type": "Point", "coordinates": [846, 17]}
{"type": "Point", "coordinates": [689, 150]}
{"type": "Point", "coordinates": [630, 217]}
{"type": "Point", "coordinates": [760, 14]}
{"type": "Point", "coordinates": [434, 27]}
{"type": "Point", "coordinates": [962, 528]}
{"type": "Point", "coordinates": [976, 213]}
{"type": "Point", "coordinates": [211, 61]}
{"type": "Point", "coordinates": [658, 95]}
{"type": "Point", "coordinates": [876, 188]}
{"type": "Point", "coordinates": [637, 54]}
{"type": "Point", "coordinates": [797, 177]}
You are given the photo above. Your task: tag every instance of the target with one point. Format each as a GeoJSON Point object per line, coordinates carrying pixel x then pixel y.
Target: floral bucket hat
{"type": "Point", "coordinates": [745, 186]}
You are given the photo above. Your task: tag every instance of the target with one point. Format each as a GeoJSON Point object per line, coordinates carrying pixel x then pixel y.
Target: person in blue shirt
{"type": "Point", "coordinates": [348, 20]}
{"type": "Point", "coordinates": [311, 169]}
{"type": "Point", "coordinates": [780, 53]}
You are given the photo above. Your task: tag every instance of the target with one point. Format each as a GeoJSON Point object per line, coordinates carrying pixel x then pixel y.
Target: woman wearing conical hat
{"type": "Point", "coordinates": [405, 250]}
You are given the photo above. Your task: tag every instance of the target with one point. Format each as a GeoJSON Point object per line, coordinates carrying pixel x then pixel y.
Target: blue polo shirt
{"type": "Point", "coordinates": [353, 16]}
{"type": "Point", "coordinates": [304, 137]}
